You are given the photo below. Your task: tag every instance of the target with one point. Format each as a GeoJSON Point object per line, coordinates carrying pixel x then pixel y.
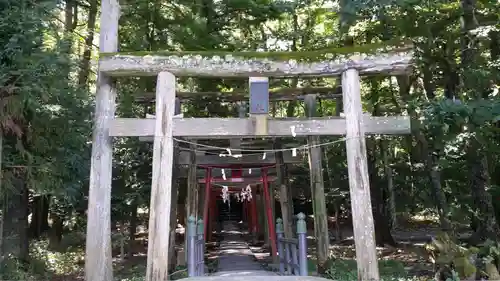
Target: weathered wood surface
{"type": "Point", "coordinates": [174, 196]}
{"type": "Point", "coordinates": [161, 187]}
{"type": "Point", "coordinates": [359, 185]}
{"type": "Point", "coordinates": [192, 183]}
{"type": "Point", "coordinates": [244, 181]}
{"type": "Point", "coordinates": [286, 200]}
{"type": "Point", "coordinates": [273, 220]}
{"type": "Point", "coordinates": [184, 158]}
{"type": "Point", "coordinates": [261, 219]}
{"type": "Point", "coordinates": [192, 190]}
{"type": "Point", "coordinates": [274, 95]}
{"type": "Point", "coordinates": [394, 63]}
{"type": "Point", "coordinates": [206, 128]}
{"type": "Point", "coordinates": [317, 190]}
{"type": "Point", "coordinates": [98, 256]}
{"type": "Point", "coordinates": [246, 143]}
{"type": "Point", "coordinates": [235, 144]}
{"type": "Point", "coordinates": [200, 173]}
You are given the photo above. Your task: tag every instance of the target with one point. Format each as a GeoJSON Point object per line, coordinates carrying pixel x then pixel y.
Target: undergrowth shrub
{"type": "Point", "coordinates": [341, 269]}
{"type": "Point", "coordinates": [43, 263]}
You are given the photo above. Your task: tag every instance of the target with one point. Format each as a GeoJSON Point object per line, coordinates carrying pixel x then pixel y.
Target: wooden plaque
{"type": "Point", "coordinates": [259, 95]}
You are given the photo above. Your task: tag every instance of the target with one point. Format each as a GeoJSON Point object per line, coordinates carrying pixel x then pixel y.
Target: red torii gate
{"type": "Point", "coordinates": [250, 213]}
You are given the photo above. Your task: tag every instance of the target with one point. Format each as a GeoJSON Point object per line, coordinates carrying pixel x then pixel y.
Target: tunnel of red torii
{"type": "Point", "coordinates": [236, 181]}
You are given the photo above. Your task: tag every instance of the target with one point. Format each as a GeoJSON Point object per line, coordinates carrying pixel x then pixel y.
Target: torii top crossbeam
{"type": "Point", "coordinates": [368, 60]}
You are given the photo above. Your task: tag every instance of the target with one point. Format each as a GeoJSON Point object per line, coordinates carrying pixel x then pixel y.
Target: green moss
{"type": "Point", "coordinates": [315, 55]}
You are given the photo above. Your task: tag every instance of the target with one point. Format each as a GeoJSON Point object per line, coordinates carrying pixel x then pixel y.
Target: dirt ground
{"type": "Point", "coordinates": [410, 236]}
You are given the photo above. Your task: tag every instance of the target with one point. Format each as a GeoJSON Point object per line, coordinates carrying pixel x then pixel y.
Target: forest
{"type": "Point", "coordinates": [435, 193]}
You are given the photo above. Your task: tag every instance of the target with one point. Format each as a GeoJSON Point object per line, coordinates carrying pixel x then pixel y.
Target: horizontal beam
{"type": "Point", "coordinates": [238, 181]}
{"type": "Point", "coordinates": [246, 144]}
{"type": "Point", "coordinates": [394, 63]}
{"type": "Point", "coordinates": [226, 128]}
{"type": "Point", "coordinates": [245, 159]}
{"type": "Point", "coordinates": [217, 189]}
{"type": "Point", "coordinates": [274, 95]}
{"type": "Point", "coordinates": [217, 173]}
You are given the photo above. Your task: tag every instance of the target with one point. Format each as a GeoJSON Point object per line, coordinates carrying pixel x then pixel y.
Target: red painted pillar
{"type": "Point", "coordinates": [237, 173]}
{"type": "Point", "coordinates": [269, 214]}
{"type": "Point", "coordinates": [208, 182]}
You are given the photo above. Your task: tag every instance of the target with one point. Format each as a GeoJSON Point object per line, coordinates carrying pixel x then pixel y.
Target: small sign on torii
{"type": "Point", "coordinates": [259, 103]}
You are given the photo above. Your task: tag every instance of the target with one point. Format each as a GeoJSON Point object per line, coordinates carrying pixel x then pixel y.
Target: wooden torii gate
{"type": "Point", "coordinates": [166, 66]}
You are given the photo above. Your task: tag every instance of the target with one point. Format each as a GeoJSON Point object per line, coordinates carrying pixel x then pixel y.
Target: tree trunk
{"type": "Point", "coordinates": [15, 222]}
{"type": "Point", "coordinates": [427, 157]}
{"type": "Point", "coordinates": [69, 15]}
{"type": "Point", "coordinates": [69, 25]}
{"type": "Point", "coordinates": [333, 199]}
{"type": "Point", "coordinates": [3, 202]}
{"type": "Point", "coordinates": [132, 228]}
{"type": "Point", "coordinates": [487, 226]}
{"type": "Point", "coordinates": [390, 205]}
{"type": "Point", "coordinates": [383, 233]}
{"type": "Point", "coordinates": [83, 74]}
{"type": "Point", "coordinates": [56, 231]}
{"type": "Point", "coordinates": [39, 216]}
{"type": "Point", "coordinates": [479, 179]}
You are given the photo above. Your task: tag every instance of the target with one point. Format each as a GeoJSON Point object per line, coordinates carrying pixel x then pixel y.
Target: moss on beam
{"type": "Point", "coordinates": [396, 45]}
{"type": "Point", "coordinates": [373, 59]}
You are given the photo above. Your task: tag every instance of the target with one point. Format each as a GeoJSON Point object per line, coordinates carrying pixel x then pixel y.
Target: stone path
{"type": "Point", "coordinates": [235, 257]}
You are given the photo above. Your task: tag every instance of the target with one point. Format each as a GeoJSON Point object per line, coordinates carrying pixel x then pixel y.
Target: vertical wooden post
{"type": "Point", "coordinates": [161, 187]}
{"type": "Point", "coordinates": [212, 214]}
{"type": "Point", "coordinates": [359, 186]}
{"type": "Point", "coordinates": [244, 217]}
{"type": "Point", "coordinates": [98, 257]}
{"type": "Point", "coordinates": [192, 189]}
{"type": "Point", "coordinates": [249, 216]}
{"type": "Point", "coordinates": [269, 213]}
{"type": "Point", "coordinates": [208, 183]}
{"type": "Point", "coordinates": [174, 196]}
{"type": "Point", "coordinates": [261, 229]}
{"type": "Point", "coordinates": [338, 106]}
{"type": "Point", "coordinates": [201, 202]}
{"type": "Point", "coordinates": [317, 190]}
{"type": "Point", "coordinates": [286, 198]}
